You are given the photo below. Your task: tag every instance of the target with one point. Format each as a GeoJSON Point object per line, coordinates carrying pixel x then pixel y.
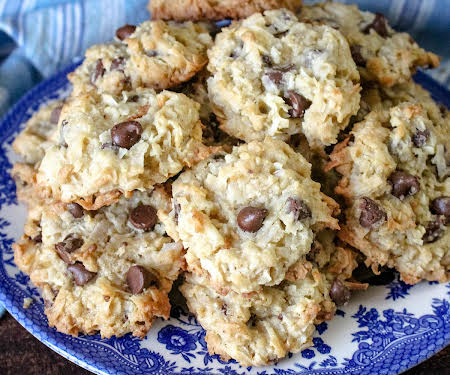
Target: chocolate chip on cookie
{"type": "Point", "coordinates": [68, 246]}
{"type": "Point", "coordinates": [356, 55]}
{"type": "Point", "coordinates": [298, 103]}
{"type": "Point", "coordinates": [420, 137]}
{"type": "Point", "coordinates": [371, 213]}
{"type": "Point", "coordinates": [54, 117]}
{"type": "Point", "coordinates": [250, 219]}
{"type": "Point", "coordinates": [434, 230]}
{"type": "Point", "coordinates": [98, 71]}
{"type": "Point", "coordinates": [143, 217]}
{"type": "Point", "coordinates": [339, 293]}
{"type": "Point", "coordinates": [80, 274]}
{"type": "Point", "coordinates": [403, 184]}
{"type": "Point", "coordinates": [299, 208]}
{"type": "Point", "coordinates": [441, 206]}
{"type": "Point", "coordinates": [75, 209]}
{"type": "Point", "coordinates": [139, 278]}
{"type": "Point", "coordinates": [379, 24]}
{"type": "Point", "coordinates": [117, 64]}
{"type": "Point", "coordinates": [125, 31]}
{"type": "Point", "coordinates": [126, 134]}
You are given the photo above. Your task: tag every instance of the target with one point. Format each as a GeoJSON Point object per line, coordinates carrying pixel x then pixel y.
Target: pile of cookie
{"type": "Point", "coordinates": [266, 161]}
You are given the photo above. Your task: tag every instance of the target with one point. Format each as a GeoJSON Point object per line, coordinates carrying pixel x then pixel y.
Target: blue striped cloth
{"type": "Point", "coordinates": [39, 37]}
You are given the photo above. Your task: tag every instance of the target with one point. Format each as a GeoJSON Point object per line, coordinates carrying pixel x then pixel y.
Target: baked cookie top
{"type": "Point", "coordinates": [275, 76]}
{"type": "Point", "coordinates": [155, 54]}
{"type": "Point", "coordinates": [381, 53]}
{"type": "Point", "coordinates": [259, 328]}
{"type": "Point", "coordinates": [108, 270]}
{"type": "Point", "coordinates": [246, 217]}
{"type": "Point", "coordinates": [39, 133]}
{"type": "Point", "coordinates": [196, 10]}
{"type": "Point", "coordinates": [115, 144]}
{"type": "Point", "coordinates": [396, 181]}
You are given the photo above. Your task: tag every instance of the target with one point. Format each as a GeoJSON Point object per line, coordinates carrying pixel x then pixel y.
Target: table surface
{"type": "Point", "coordinates": [21, 353]}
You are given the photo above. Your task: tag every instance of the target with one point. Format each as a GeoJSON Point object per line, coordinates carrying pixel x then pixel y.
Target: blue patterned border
{"type": "Point", "coordinates": [385, 339]}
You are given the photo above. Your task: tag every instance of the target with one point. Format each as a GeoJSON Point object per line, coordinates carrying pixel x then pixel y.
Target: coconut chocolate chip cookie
{"type": "Point", "coordinates": [195, 10]}
{"type": "Point", "coordinates": [275, 76]}
{"type": "Point", "coordinates": [246, 217]}
{"type": "Point", "coordinates": [108, 270]}
{"type": "Point", "coordinates": [113, 144]}
{"type": "Point", "coordinates": [258, 328]}
{"type": "Point", "coordinates": [381, 53]}
{"type": "Point", "coordinates": [39, 134]}
{"type": "Point", "coordinates": [396, 181]}
{"type": "Point", "coordinates": [155, 54]}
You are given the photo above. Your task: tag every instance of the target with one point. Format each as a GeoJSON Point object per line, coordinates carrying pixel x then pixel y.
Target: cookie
{"type": "Point", "coordinates": [197, 90]}
{"type": "Point", "coordinates": [246, 217]}
{"type": "Point", "coordinates": [155, 54]}
{"type": "Point", "coordinates": [107, 271]}
{"type": "Point", "coordinates": [275, 76]}
{"type": "Point", "coordinates": [396, 182]}
{"type": "Point", "coordinates": [195, 10]}
{"type": "Point", "coordinates": [381, 53]}
{"type": "Point", "coordinates": [259, 328]}
{"type": "Point", "coordinates": [112, 145]}
{"type": "Point", "coordinates": [39, 133]}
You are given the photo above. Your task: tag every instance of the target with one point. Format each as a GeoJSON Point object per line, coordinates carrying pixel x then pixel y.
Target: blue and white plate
{"type": "Point", "coordinates": [382, 331]}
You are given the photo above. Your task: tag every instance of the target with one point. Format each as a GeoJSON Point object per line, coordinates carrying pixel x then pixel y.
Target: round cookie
{"type": "Point", "coordinates": [257, 329]}
{"type": "Point", "coordinates": [246, 217]}
{"type": "Point", "coordinates": [396, 181]}
{"type": "Point", "coordinates": [39, 133]}
{"type": "Point", "coordinates": [381, 53]}
{"type": "Point", "coordinates": [108, 270]}
{"type": "Point", "coordinates": [275, 76]}
{"type": "Point", "coordinates": [195, 10]}
{"type": "Point", "coordinates": [115, 144]}
{"type": "Point", "coordinates": [155, 54]}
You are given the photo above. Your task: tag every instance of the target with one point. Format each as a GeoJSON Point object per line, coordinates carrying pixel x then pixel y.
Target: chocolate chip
{"type": "Point", "coordinates": [371, 213]}
{"type": "Point", "coordinates": [403, 184]}
{"type": "Point", "coordinates": [151, 53]}
{"type": "Point", "coordinates": [54, 117]}
{"type": "Point", "coordinates": [126, 134]}
{"type": "Point", "coordinates": [138, 278]}
{"type": "Point", "coordinates": [299, 208]}
{"type": "Point", "coordinates": [434, 230]}
{"type": "Point", "coordinates": [250, 219]}
{"type": "Point", "coordinates": [125, 31]}
{"type": "Point", "coordinates": [68, 246]}
{"type": "Point", "coordinates": [275, 76]}
{"type": "Point", "coordinates": [224, 309]}
{"type": "Point", "coordinates": [38, 238]}
{"type": "Point", "coordinates": [356, 55]}
{"type": "Point", "coordinates": [339, 293]}
{"type": "Point", "coordinates": [75, 209]}
{"type": "Point", "coordinates": [98, 71]}
{"type": "Point", "coordinates": [117, 64]}
{"type": "Point", "coordinates": [441, 206]}
{"type": "Point", "coordinates": [80, 274]}
{"type": "Point", "coordinates": [267, 60]}
{"type": "Point", "coordinates": [379, 25]}
{"type": "Point", "coordinates": [298, 103]}
{"type": "Point", "coordinates": [420, 137]}
{"type": "Point", "coordinates": [177, 209]}
{"type": "Point", "coordinates": [143, 217]}
{"type": "Point", "coordinates": [133, 99]}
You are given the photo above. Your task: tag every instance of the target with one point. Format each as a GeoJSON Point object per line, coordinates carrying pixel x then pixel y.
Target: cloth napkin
{"type": "Point", "coordinates": [40, 37]}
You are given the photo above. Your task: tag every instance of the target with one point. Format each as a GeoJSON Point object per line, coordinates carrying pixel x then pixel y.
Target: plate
{"type": "Point", "coordinates": [382, 331]}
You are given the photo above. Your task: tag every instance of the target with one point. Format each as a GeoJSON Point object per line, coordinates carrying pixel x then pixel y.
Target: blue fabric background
{"type": "Point", "coordinates": [40, 37]}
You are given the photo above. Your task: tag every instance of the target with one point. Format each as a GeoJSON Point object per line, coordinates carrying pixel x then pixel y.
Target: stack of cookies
{"type": "Point", "coordinates": [264, 160]}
